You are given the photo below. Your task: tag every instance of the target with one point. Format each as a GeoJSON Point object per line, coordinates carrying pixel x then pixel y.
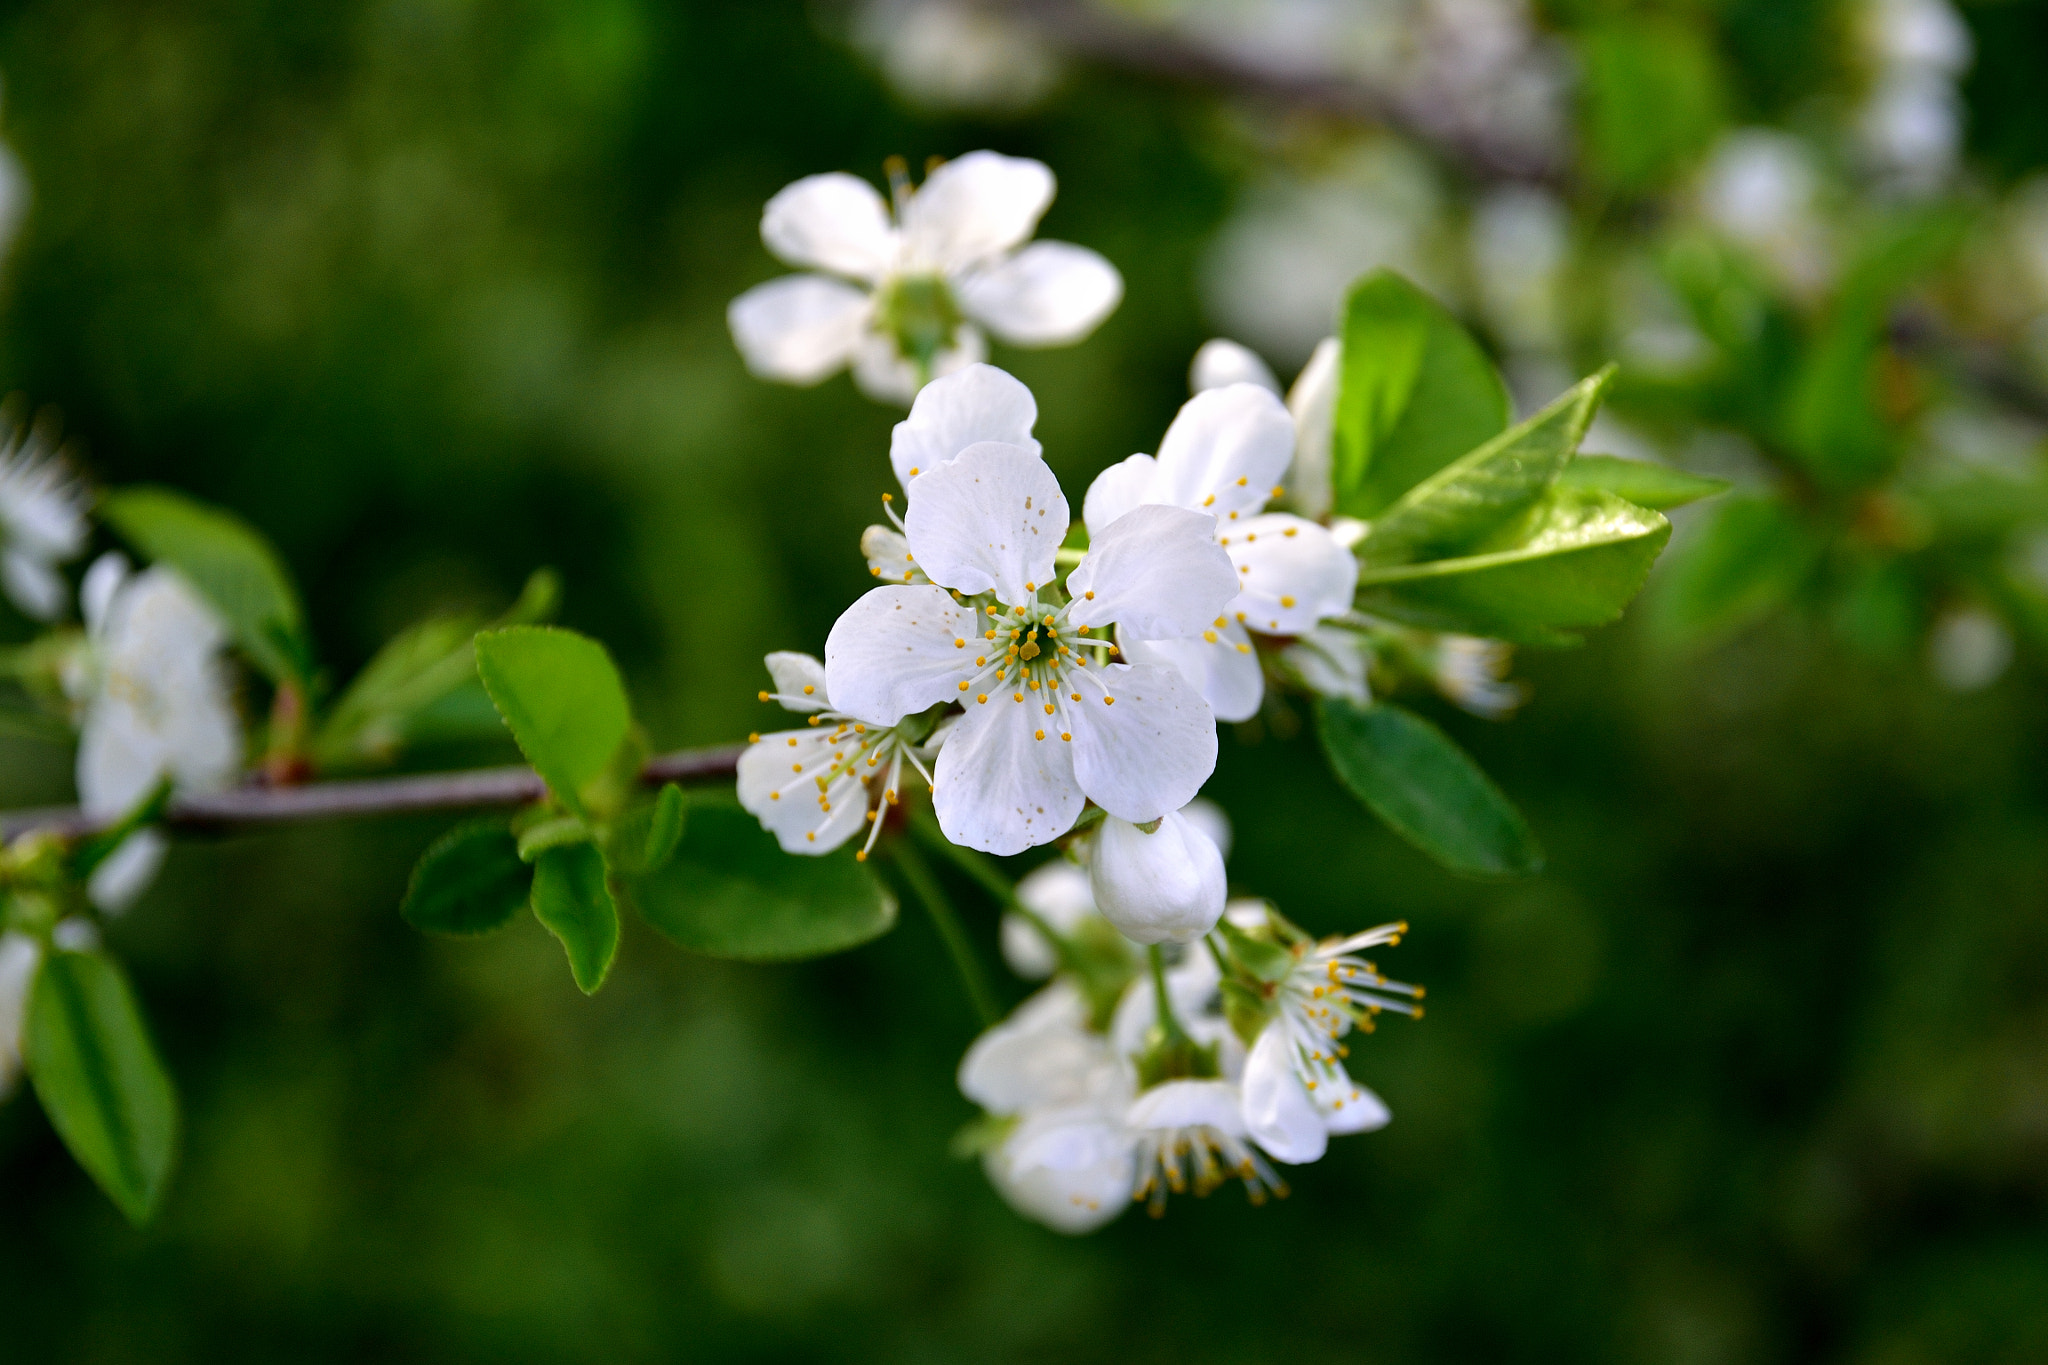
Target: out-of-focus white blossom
{"type": "Point", "coordinates": [153, 699]}
{"type": "Point", "coordinates": [1969, 649]}
{"type": "Point", "coordinates": [1521, 241]}
{"type": "Point", "coordinates": [1762, 188]}
{"type": "Point", "coordinates": [1911, 121]}
{"type": "Point", "coordinates": [1472, 674]}
{"type": "Point", "coordinates": [20, 955]}
{"type": "Point", "coordinates": [42, 523]}
{"type": "Point", "coordinates": [945, 55]}
{"type": "Point", "coordinates": [898, 295]}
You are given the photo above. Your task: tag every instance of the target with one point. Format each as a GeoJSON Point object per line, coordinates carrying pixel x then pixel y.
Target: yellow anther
{"type": "Point", "coordinates": [1033, 684]}
{"type": "Point", "coordinates": [1241, 481]}
{"type": "Point", "coordinates": [1048, 708]}
{"type": "Point", "coordinates": [980, 697]}
{"type": "Point", "coordinates": [1031, 587]}
{"type": "Point", "coordinates": [979, 660]}
{"type": "Point", "coordinates": [1240, 618]}
{"type": "Point", "coordinates": [963, 684]}
{"type": "Point", "coordinates": [1244, 568]}
{"type": "Point", "coordinates": [913, 471]}
{"type": "Point", "coordinates": [809, 688]}
{"type": "Point", "coordinates": [1210, 636]}
{"type": "Point", "coordinates": [1233, 516]}
{"type": "Point", "coordinates": [860, 855]}
{"type": "Point", "coordinates": [811, 835]}
{"type": "Point", "coordinates": [990, 636]}
{"type": "Point", "coordinates": [761, 696]}
{"type": "Point", "coordinates": [1090, 597]}
{"type": "Point", "coordinates": [1016, 696]}
{"type": "Point", "coordinates": [1277, 491]}
{"type": "Point", "coordinates": [888, 497]}
{"type": "Point", "coordinates": [774, 796]}
{"type": "Point", "coordinates": [1018, 610]}
{"type": "Point", "coordinates": [1250, 537]}
{"type": "Point", "coordinates": [1084, 630]}
{"type": "Point", "coordinates": [1286, 601]}
{"type": "Point", "coordinates": [1109, 701]}
{"type": "Point", "coordinates": [875, 569]}
{"type": "Point", "coordinates": [860, 729]}
{"type": "Point", "coordinates": [1041, 734]}
{"type": "Point", "coordinates": [1075, 696]}
{"type": "Point", "coordinates": [1289, 531]}
{"type": "Point", "coordinates": [959, 644]}
{"type": "Point", "coordinates": [1244, 649]}
{"type": "Point", "coordinates": [754, 738]}
{"type": "Point", "coordinates": [792, 742]}
{"type": "Point", "coordinates": [1210, 499]}
{"type": "Point", "coordinates": [1065, 736]}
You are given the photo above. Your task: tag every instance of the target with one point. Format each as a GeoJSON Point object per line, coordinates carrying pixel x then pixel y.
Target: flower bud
{"type": "Point", "coordinates": [1165, 886]}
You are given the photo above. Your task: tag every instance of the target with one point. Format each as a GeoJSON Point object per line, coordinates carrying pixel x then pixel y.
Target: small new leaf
{"type": "Point", "coordinates": [470, 882]}
{"type": "Point", "coordinates": [100, 1081]}
{"type": "Point", "coordinates": [561, 696]}
{"type": "Point", "coordinates": [1655, 486]}
{"type": "Point", "coordinates": [230, 565]}
{"type": "Point", "coordinates": [571, 897]}
{"type": "Point", "coordinates": [1426, 789]}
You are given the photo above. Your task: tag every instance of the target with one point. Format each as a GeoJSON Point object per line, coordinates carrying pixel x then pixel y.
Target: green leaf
{"type": "Point", "coordinates": [1416, 393]}
{"type": "Point", "coordinates": [563, 700]}
{"type": "Point", "coordinates": [730, 891]}
{"type": "Point", "coordinates": [572, 898]}
{"type": "Point", "coordinates": [230, 564]}
{"type": "Point", "coordinates": [470, 882]}
{"type": "Point", "coordinates": [645, 838]}
{"type": "Point", "coordinates": [1427, 789]}
{"type": "Point", "coordinates": [402, 693]}
{"type": "Point", "coordinates": [559, 832]}
{"type": "Point", "coordinates": [1654, 98]}
{"type": "Point", "coordinates": [1571, 562]}
{"type": "Point", "coordinates": [100, 1081]}
{"type": "Point", "coordinates": [101, 845]}
{"type": "Point", "coordinates": [1462, 504]}
{"type": "Point", "coordinates": [1746, 561]}
{"type": "Point", "coordinates": [1656, 486]}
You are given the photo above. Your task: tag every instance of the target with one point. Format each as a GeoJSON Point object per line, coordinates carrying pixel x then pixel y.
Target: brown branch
{"type": "Point", "coordinates": [261, 805]}
{"type": "Point", "coordinates": [1090, 31]}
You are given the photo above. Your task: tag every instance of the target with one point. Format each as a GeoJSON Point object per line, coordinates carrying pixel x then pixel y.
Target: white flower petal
{"type": "Point", "coordinates": [1292, 573]}
{"type": "Point", "coordinates": [119, 881]}
{"type": "Point", "coordinates": [798, 329]}
{"type": "Point", "coordinates": [1210, 818]}
{"type": "Point", "coordinates": [1313, 403]}
{"type": "Point", "coordinates": [1118, 489]}
{"type": "Point", "coordinates": [1333, 662]}
{"type": "Point", "coordinates": [1057, 893]}
{"type": "Point", "coordinates": [834, 222]}
{"type": "Point", "coordinates": [1220, 363]}
{"type": "Point", "coordinates": [973, 404]}
{"type": "Point", "coordinates": [777, 784]}
{"type": "Point", "coordinates": [1278, 1111]}
{"type": "Point", "coordinates": [884, 375]}
{"type": "Point", "coordinates": [33, 585]}
{"type": "Point", "coordinates": [1048, 294]}
{"type": "Point", "coordinates": [1225, 671]}
{"type": "Point", "coordinates": [1347, 1107]}
{"type": "Point", "coordinates": [991, 518]}
{"type": "Point", "coordinates": [894, 652]}
{"type": "Point", "coordinates": [96, 593]}
{"type": "Point", "coordinates": [799, 678]}
{"type": "Point", "coordinates": [888, 555]}
{"type": "Point", "coordinates": [1162, 887]}
{"type": "Point", "coordinates": [19, 957]}
{"type": "Point", "coordinates": [1156, 571]}
{"type": "Point", "coordinates": [1042, 1055]}
{"type": "Point", "coordinates": [1002, 789]}
{"type": "Point", "coordinates": [1189, 1104]}
{"type": "Point", "coordinates": [973, 208]}
{"type": "Point", "coordinates": [1225, 451]}
{"type": "Point", "coordinates": [1070, 1169]}
{"type": "Point", "coordinates": [1151, 750]}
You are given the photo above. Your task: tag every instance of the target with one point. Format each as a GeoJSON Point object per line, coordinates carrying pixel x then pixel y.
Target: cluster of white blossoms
{"type": "Point", "coordinates": [905, 297]}
{"type": "Point", "coordinates": [1209, 1070]}
{"type": "Point", "coordinates": [42, 524]}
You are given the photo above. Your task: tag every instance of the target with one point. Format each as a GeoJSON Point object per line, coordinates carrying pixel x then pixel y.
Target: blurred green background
{"type": "Point", "coordinates": [433, 292]}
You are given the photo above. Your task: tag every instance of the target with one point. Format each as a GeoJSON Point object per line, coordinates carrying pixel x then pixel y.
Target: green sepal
{"type": "Point", "coordinates": [572, 897]}
{"type": "Point", "coordinates": [1175, 1058]}
{"type": "Point", "coordinates": [100, 1080]}
{"type": "Point", "coordinates": [980, 1136]}
{"type": "Point", "coordinates": [230, 564]}
{"type": "Point", "coordinates": [470, 881]}
{"type": "Point", "coordinates": [1246, 1010]}
{"type": "Point", "coordinates": [1262, 959]}
{"type": "Point", "coordinates": [1426, 789]}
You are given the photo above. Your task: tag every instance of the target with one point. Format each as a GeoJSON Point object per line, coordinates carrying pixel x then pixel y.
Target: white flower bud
{"type": "Point", "coordinates": [1166, 886]}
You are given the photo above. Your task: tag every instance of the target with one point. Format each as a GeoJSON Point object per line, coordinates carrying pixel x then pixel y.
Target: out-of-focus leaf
{"type": "Point", "coordinates": [101, 845]}
{"type": "Point", "coordinates": [1743, 563]}
{"type": "Point", "coordinates": [230, 564]}
{"type": "Point", "coordinates": [1656, 486]}
{"type": "Point", "coordinates": [730, 891]}
{"type": "Point", "coordinates": [645, 837]}
{"type": "Point", "coordinates": [470, 882]}
{"type": "Point", "coordinates": [389, 701]}
{"type": "Point", "coordinates": [1653, 93]}
{"type": "Point", "coordinates": [1427, 789]}
{"type": "Point", "coordinates": [100, 1081]}
{"type": "Point", "coordinates": [1416, 393]}
{"type": "Point", "coordinates": [562, 698]}
{"type": "Point", "coordinates": [1470, 499]}
{"type": "Point", "coordinates": [1569, 563]}
{"type": "Point", "coordinates": [571, 897]}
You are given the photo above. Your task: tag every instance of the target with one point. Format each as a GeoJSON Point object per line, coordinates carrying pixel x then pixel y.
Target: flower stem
{"type": "Point", "coordinates": [918, 874]}
{"type": "Point", "coordinates": [1163, 1003]}
{"type": "Point", "coordinates": [989, 879]}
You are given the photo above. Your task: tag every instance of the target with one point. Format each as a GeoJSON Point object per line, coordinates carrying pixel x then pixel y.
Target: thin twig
{"type": "Point", "coordinates": [261, 805]}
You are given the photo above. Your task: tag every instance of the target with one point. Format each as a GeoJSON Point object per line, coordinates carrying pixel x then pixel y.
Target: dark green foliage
{"type": "Point", "coordinates": [470, 882]}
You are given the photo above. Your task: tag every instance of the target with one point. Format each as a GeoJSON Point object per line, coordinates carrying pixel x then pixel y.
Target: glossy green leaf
{"type": "Point", "coordinates": [730, 891]}
{"type": "Point", "coordinates": [1416, 393]}
{"type": "Point", "coordinates": [1469, 500]}
{"type": "Point", "coordinates": [1571, 562]}
{"type": "Point", "coordinates": [470, 882]}
{"type": "Point", "coordinates": [100, 1081]}
{"type": "Point", "coordinates": [1427, 789]}
{"type": "Point", "coordinates": [563, 700]}
{"type": "Point", "coordinates": [1747, 560]}
{"type": "Point", "coordinates": [230, 564]}
{"type": "Point", "coordinates": [1656, 486]}
{"type": "Point", "coordinates": [572, 898]}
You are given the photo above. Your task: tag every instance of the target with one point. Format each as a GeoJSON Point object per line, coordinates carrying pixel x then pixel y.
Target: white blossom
{"type": "Point", "coordinates": [1161, 886]}
{"type": "Point", "coordinates": [815, 788]}
{"type": "Point", "coordinates": [916, 288]}
{"type": "Point", "coordinates": [1471, 672]}
{"type": "Point", "coordinates": [19, 957]}
{"type": "Point", "coordinates": [1049, 723]}
{"type": "Point", "coordinates": [1225, 454]}
{"type": "Point", "coordinates": [1058, 893]}
{"type": "Point", "coordinates": [153, 699]}
{"type": "Point", "coordinates": [42, 524]}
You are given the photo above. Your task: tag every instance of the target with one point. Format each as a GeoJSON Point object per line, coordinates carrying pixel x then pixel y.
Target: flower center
{"type": "Point", "coordinates": [919, 311]}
